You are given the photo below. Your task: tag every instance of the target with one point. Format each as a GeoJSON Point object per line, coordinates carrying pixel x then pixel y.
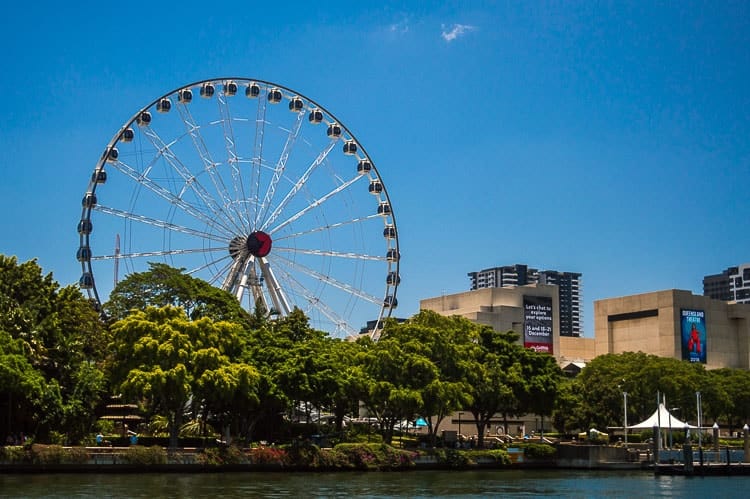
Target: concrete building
{"type": "Point", "coordinates": [569, 285]}
{"type": "Point", "coordinates": [675, 323]}
{"type": "Point", "coordinates": [731, 285]}
{"type": "Point", "coordinates": [528, 310]}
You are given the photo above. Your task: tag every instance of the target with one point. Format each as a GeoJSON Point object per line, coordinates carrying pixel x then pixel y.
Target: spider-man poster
{"type": "Point", "coordinates": [693, 327]}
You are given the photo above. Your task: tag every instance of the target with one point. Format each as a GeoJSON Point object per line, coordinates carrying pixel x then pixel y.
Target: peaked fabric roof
{"type": "Point", "coordinates": [667, 420]}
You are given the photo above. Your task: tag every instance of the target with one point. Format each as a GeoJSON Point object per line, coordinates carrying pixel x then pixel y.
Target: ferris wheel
{"type": "Point", "coordinates": [254, 188]}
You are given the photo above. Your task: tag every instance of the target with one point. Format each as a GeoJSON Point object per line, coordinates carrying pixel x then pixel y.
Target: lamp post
{"type": "Point", "coordinates": [459, 422]}
{"type": "Point", "coordinates": [670, 424]}
{"type": "Point", "coordinates": [625, 413]}
{"type": "Point", "coordinates": [700, 429]}
{"type": "Point", "coordinates": [715, 428]}
{"type": "Point", "coordinates": [746, 437]}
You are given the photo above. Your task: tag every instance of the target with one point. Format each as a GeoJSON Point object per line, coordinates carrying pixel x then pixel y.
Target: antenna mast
{"type": "Point", "coordinates": [117, 258]}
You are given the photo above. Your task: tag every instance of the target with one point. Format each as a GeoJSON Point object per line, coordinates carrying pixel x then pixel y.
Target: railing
{"type": "Point", "coordinates": [722, 456]}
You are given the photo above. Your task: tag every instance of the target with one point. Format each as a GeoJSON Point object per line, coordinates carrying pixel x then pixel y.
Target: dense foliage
{"type": "Point", "coordinates": [52, 347]}
{"type": "Point", "coordinates": [196, 365]}
{"type": "Point", "coordinates": [595, 398]}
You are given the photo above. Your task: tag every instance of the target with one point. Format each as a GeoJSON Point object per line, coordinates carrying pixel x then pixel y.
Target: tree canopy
{"type": "Point", "coordinates": [51, 349]}
{"type": "Point", "coordinates": [187, 352]}
{"type": "Point", "coordinates": [163, 285]}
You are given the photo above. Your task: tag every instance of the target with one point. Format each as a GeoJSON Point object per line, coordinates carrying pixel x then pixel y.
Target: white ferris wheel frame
{"type": "Point", "coordinates": [249, 208]}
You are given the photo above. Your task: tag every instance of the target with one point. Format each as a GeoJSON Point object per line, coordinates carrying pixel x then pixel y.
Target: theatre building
{"type": "Point", "coordinates": [675, 323]}
{"type": "Point", "coordinates": [531, 310]}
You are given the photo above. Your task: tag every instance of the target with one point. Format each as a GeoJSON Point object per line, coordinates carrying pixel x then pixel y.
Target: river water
{"type": "Point", "coordinates": [415, 484]}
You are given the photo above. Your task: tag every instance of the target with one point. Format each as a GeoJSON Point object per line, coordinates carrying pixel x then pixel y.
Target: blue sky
{"type": "Point", "coordinates": [611, 139]}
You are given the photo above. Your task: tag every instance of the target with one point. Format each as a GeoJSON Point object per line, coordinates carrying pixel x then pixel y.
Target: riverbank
{"type": "Point", "coordinates": [359, 457]}
{"type": "Point", "coordinates": [343, 457]}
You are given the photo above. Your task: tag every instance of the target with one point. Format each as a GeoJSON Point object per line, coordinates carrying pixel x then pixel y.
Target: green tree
{"type": "Point", "coordinates": [392, 377]}
{"type": "Point", "coordinates": [602, 382]}
{"type": "Point", "coordinates": [449, 343]}
{"type": "Point", "coordinates": [160, 354]}
{"type": "Point", "coordinates": [231, 393]}
{"type": "Point", "coordinates": [340, 379]}
{"type": "Point", "coordinates": [163, 285]}
{"type": "Point", "coordinates": [509, 379]}
{"type": "Point", "coordinates": [735, 384]}
{"type": "Point", "coordinates": [566, 414]}
{"type": "Point", "coordinates": [60, 336]}
{"type": "Point", "coordinates": [22, 388]}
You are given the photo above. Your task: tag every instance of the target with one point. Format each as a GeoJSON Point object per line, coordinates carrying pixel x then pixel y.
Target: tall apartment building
{"type": "Point", "coordinates": [731, 285]}
{"type": "Point", "coordinates": [501, 277]}
{"type": "Point", "coordinates": [568, 283]}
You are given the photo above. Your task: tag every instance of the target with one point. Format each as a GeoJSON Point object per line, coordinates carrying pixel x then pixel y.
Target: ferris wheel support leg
{"type": "Point", "coordinates": [280, 300]}
{"type": "Point", "coordinates": [232, 278]}
{"type": "Point", "coordinates": [255, 284]}
{"type": "Point", "coordinates": [241, 288]}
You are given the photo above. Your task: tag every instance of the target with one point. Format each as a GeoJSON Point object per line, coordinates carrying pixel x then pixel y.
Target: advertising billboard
{"type": "Point", "coordinates": [693, 328]}
{"type": "Point", "coordinates": [537, 323]}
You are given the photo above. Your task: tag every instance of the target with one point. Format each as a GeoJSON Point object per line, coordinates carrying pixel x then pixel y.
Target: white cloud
{"type": "Point", "coordinates": [453, 31]}
{"type": "Point", "coordinates": [400, 27]}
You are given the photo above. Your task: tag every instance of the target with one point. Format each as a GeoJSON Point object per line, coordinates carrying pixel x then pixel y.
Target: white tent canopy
{"type": "Point", "coordinates": [663, 416]}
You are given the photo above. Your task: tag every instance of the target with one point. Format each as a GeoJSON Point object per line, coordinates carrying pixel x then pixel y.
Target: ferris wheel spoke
{"type": "Point", "coordinates": [330, 280]}
{"type": "Point", "coordinates": [217, 274]}
{"type": "Point", "coordinates": [257, 158]}
{"type": "Point", "coordinates": [314, 302]}
{"type": "Point", "coordinates": [209, 165]}
{"type": "Point", "coordinates": [299, 184]}
{"type": "Point", "coordinates": [327, 227]}
{"type": "Point", "coordinates": [315, 204]}
{"type": "Point", "coordinates": [148, 254]}
{"type": "Point", "coordinates": [164, 150]}
{"type": "Point", "coordinates": [280, 167]}
{"type": "Point", "coordinates": [336, 254]}
{"type": "Point", "coordinates": [233, 159]}
{"type": "Point", "coordinates": [162, 224]}
{"type": "Point", "coordinates": [165, 194]}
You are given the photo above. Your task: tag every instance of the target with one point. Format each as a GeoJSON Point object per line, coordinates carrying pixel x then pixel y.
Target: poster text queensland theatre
{"type": "Point", "coordinates": [537, 323]}
{"type": "Point", "coordinates": [693, 328]}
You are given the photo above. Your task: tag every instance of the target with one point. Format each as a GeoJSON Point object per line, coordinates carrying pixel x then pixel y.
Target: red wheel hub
{"type": "Point", "coordinates": [259, 244]}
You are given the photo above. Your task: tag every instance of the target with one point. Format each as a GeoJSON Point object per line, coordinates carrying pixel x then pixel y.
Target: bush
{"type": "Point", "coordinates": [105, 426]}
{"type": "Point", "coordinates": [356, 435]}
{"type": "Point", "coordinates": [375, 456]}
{"type": "Point", "coordinates": [76, 455]}
{"type": "Point", "coordinates": [57, 438]}
{"type": "Point", "coordinates": [646, 435]}
{"type": "Point", "coordinates": [13, 454]}
{"type": "Point", "coordinates": [218, 456]}
{"type": "Point", "coordinates": [538, 451]}
{"type": "Point", "coordinates": [452, 457]}
{"type": "Point", "coordinates": [138, 454]}
{"type": "Point", "coordinates": [334, 459]}
{"type": "Point", "coordinates": [304, 455]}
{"type": "Point", "coordinates": [635, 438]}
{"type": "Point", "coordinates": [269, 455]}
{"type": "Point", "coordinates": [499, 456]}
{"type": "Point", "coordinates": [47, 454]}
